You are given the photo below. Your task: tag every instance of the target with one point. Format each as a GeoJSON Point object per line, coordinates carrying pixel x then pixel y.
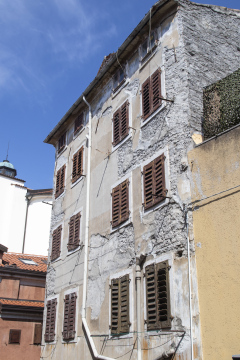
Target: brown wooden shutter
{"type": "Point", "coordinates": [148, 171]}
{"type": "Point", "coordinates": [116, 195]}
{"type": "Point", "coordinates": [78, 125]}
{"type": "Point", "coordinates": [120, 203]}
{"type": "Point", "coordinates": [74, 170]}
{"type": "Point", "coordinates": [56, 243]}
{"type": "Point", "coordinates": [14, 336]}
{"type": "Point", "coordinates": [62, 179]}
{"type": "Point", "coordinates": [61, 142]}
{"type": "Point", "coordinates": [124, 304]}
{"type": "Point", "coordinates": [37, 334]}
{"type": "Point", "coordinates": [155, 90]}
{"type": "Point", "coordinates": [159, 179]}
{"type": "Point", "coordinates": [114, 305]}
{"type": "Point", "coordinates": [146, 99]}
{"type": "Point", "coordinates": [58, 183]}
{"type": "Point", "coordinates": [116, 127]}
{"type": "Point", "coordinates": [77, 165]}
{"type": "Point", "coordinates": [151, 297]}
{"type": "Point", "coordinates": [69, 316]}
{"type": "Point", "coordinates": [80, 162]}
{"type": "Point", "coordinates": [50, 320]}
{"type": "Point", "coordinates": [74, 232]}
{"type": "Point", "coordinates": [163, 295]}
{"type": "Point", "coordinates": [124, 120]}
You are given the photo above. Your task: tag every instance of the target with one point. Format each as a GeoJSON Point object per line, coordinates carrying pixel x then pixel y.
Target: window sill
{"type": "Point", "coordinates": [147, 58]}
{"type": "Point", "coordinates": [75, 250]}
{"type": "Point", "coordinates": [62, 151]}
{"type": "Point", "coordinates": [144, 122]}
{"type": "Point", "coordinates": [55, 260]}
{"type": "Point", "coordinates": [153, 208]}
{"type": "Point", "coordinates": [114, 94]}
{"type": "Point", "coordinates": [61, 195]}
{"type": "Point", "coordinates": [125, 223]}
{"type": "Point", "coordinates": [78, 132]}
{"type": "Point", "coordinates": [77, 181]}
{"type": "Point", "coordinates": [117, 337]}
{"type": "Point", "coordinates": [129, 136]}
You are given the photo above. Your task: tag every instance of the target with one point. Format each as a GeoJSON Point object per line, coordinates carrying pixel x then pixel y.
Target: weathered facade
{"type": "Point", "coordinates": [122, 243]}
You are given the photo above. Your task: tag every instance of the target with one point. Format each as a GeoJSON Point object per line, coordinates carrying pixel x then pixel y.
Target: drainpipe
{"type": "Point", "coordinates": [85, 271]}
{"type": "Point", "coordinates": [138, 295]}
{"type": "Point", "coordinates": [189, 284]}
{"type": "Point", "coordinates": [29, 198]}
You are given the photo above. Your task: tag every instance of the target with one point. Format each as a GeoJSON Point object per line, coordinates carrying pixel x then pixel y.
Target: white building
{"type": "Point", "coordinates": [25, 214]}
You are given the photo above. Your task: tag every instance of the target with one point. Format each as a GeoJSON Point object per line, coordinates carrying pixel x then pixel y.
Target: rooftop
{"type": "Point", "coordinates": [25, 262]}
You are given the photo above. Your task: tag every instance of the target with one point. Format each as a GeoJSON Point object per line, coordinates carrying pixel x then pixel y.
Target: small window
{"type": "Point", "coordinates": [28, 261]}
{"type": "Point", "coordinates": [61, 142]}
{"type": "Point", "coordinates": [158, 296]}
{"type": "Point", "coordinates": [14, 336]}
{"type": "Point", "coordinates": [79, 123]}
{"type": "Point", "coordinates": [151, 94]}
{"type": "Point", "coordinates": [50, 320]}
{"type": "Point", "coordinates": [37, 334]}
{"type": "Point", "coordinates": [149, 45]}
{"type": "Point", "coordinates": [121, 123]}
{"type": "Point", "coordinates": [154, 182]}
{"type": "Point", "coordinates": [56, 243]}
{"type": "Point", "coordinates": [60, 181]}
{"type": "Point", "coordinates": [120, 203]}
{"type": "Point", "coordinates": [77, 169]}
{"type": "Point", "coordinates": [69, 316]}
{"type": "Point", "coordinates": [74, 232]}
{"type": "Point", "coordinates": [118, 79]}
{"type": "Point", "coordinates": [120, 305]}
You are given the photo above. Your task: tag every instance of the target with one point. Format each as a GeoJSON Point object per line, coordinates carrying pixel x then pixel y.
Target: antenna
{"type": "Point", "coordinates": [7, 150]}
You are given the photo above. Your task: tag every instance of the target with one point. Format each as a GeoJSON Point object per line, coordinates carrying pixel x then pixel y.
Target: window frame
{"type": "Point", "coordinates": [78, 175]}
{"type": "Point", "coordinates": [128, 178]}
{"type": "Point", "coordinates": [130, 306]}
{"type": "Point", "coordinates": [56, 230]}
{"type": "Point", "coordinates": [119, 83]}
{"type": "Point", "coordinates": [67, 292]}
{"type": "Point", "coordinates": [159, 260]}
{"type": "Point", "coordinates": [62, 142]}
{"type": "Point", "coordinates": [51, 298]}
{"type": "Point", "coordinates": [80, 228]}
{"type": "Point", "coordinates": [58, 179]}
{"type": "Point", "coordinates": [78, 130]}
{"type": "Point", "coordinates": [122, 140]}
{"type": "Point", "coordinates": [35, 335]}
{"type": "Point", "coordinates": [150, 50]}
{"type": "Point", "coordinates": [11, 332]}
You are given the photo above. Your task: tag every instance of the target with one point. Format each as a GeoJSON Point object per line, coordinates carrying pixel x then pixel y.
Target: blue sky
{"type": "Point", "coordinates": [50, 50]}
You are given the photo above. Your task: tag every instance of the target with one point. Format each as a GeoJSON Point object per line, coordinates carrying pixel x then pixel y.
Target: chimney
{"type": "Point", "coordinates": [3, 249]}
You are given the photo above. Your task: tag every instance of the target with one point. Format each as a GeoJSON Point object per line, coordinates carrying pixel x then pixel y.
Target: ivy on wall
{"type": "Point", "coordinates": [221, 105]}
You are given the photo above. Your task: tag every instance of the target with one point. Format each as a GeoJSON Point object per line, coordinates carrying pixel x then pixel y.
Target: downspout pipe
{"type": "Point", "coordinates": [28, 198]}
{"type": "Point", "coordinates": [138, 295]}
{"type": "Point", "coordinates": [85, 271]}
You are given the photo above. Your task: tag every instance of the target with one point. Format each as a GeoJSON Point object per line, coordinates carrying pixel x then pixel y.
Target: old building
{"type": "Point", "coordinates": [22, 289]}
{"type": "Point", "coordinates": [122, 276]}
{"type": "Point", "coordinates": [215, 168]}
{"type": "Point", "coordinates": [20, 211]}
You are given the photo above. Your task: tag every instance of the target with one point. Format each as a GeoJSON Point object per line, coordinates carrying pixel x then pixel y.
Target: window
{"type": "Point", "coordinates": [37, 334]}
{"type": "Point", "coordinates": [74, 232]}
{"type": "Point", "coordinates": [149, 45]}
{"type": "Point", "coordinates": [69, 316]}
{"type": "Point", "coordinates": [79, 123]}
{"type": "Point", "coordinates": [154, 182]}
{"type": "Point", "coordinates": [121, 123]}
{"type": "Point", "coordinates": [14, 336]}
{"type": "Point", "coordinates": [77, 165]}
{"type": "Point", "coordinates": [118, 79]}
{"type": "Point", "coordinates": [120, 203]}
{"type": "Point", "coordinates": [60, 181]}
{"type": "Point", "coordinates": [151, 94]}
{"type": "Point", "coordinates": [56, 243]}
{"type": "Point", "coordinates": [120, 305]}
{"type": "Point", "coordinates": [158, 296]}
{"type": "Point", "coordinates": [61, 142]}
{"type": "Point", "coordinates": [28, 261]}
{"type": "Point", "coordinates": [50, 320]}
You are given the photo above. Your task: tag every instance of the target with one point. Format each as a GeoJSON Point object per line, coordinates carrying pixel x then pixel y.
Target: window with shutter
{"type": "Point", "coordinates": [158, 296]}
{"type": "Point", "coordinates": [120, 305]}
{"type": "Point", "coordinates": [121, 123]}
{"type": "Point", "coordinates": [69, 316]}
{"type": "Point", "coordinates": [120, 203]}
{"type": "Point", "coordinates": [74, 232]}
{"type": "Point", "coordinates": [61, 142]}
{"type": "Point", "coordinates": [148, 46]}
{"type": "Point", "coordinates": [37, 334]}
{"type": "Point", "coordinates": [79, 123]}
{"type": "Point", "coordinates": [77, 169]}
{"type": "Point", "coordinates": [60, 181]}
{"type": "Point", "coordinates": [14, 336]}
{"type": "Point", "coordinates": [154, 182]}
{"type": "Point", "coordinates": [151, 94]}
{"type": "Point", "coordinates": [50, 320]}
{"type": "Point", "coordinates": [56, 243]}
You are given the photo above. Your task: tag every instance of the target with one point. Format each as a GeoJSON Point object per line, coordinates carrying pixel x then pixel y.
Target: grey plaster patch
{"type": "Point", "coordinates": [107, 111]}
{"type": "Point", "coordinates": [132, 88]}
{"type": "Point", "coordinates": [50, 283]}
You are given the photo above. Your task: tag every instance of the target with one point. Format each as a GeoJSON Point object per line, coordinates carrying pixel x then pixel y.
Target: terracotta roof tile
{"type": "Point", "coordinates": [105, 61]}
{"type": "Point", "coordinates": [22, 302]}
{"type": "Point", "coordinates": [14, 258]}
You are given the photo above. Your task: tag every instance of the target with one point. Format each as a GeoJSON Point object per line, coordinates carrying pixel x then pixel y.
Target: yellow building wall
{"type": "Point", "coordinates": [215, 167]}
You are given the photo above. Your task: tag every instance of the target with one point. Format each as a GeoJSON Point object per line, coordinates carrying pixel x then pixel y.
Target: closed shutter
{"type": "Point", "coordinates": [120, 203]}
{"type": "Point", "coordinates": [116, 127]}
{"type": "Point", "coordinates": [56, 243]}
{"type": "Point", "coordinates": [124, 120]}
{"type": "Point", "coordinates": [74, 232]}
{"type": "Point", "coordinates": [163, 294]}
{"type": "Point", "coordinates": [77, 165]}
{"type": "Point", "coordinates": [60, 181]}
{"type": "Point", "coordinates": [156, 90]}
{"type": "Point", "coordinates": [61, 142]}
{"type": "Point", "coordinates": [37, 334]}
{"type": "Point", "coordinates": [57, 183]}
{"type": "Point", "coordinates": [154, 182]}
{"type": "Point", "coordinates": [69, 316]}
{"type": "Point", "coordinates": [14, 336]}
{"type": "Point", "coordinates": [120, 305]}
{"type": "Point", "coordinates": [151, 298]}
{"type": "Point", "coordinates": [78, 125]}
{"type": "Point", "coordinates": [50, 320]}
{"type": "Point", "coordinates": [146, 99]}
